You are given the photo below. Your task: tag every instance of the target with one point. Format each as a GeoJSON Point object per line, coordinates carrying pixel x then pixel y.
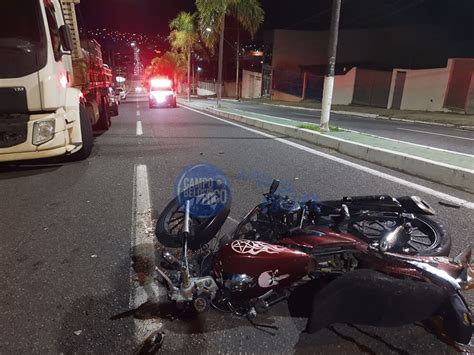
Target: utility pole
{"type": "Point", "coordinates": [221, 60]}
{"type": "Point", "coordinates": [237, 76]}
{"type": "Point", "coordinates": [193, 65]}
{"type": "Point", "coordinates": [329, 80]}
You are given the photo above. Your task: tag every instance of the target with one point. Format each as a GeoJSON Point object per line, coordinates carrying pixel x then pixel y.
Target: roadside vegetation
{"type": "Point", "coordinates": [317, 128]}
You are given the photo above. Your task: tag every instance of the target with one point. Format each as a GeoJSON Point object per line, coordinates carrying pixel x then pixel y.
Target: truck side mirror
{"type": "Point", "coordinates": [66, 38]}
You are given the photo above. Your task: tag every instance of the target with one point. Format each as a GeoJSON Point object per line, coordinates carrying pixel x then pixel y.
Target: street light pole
{"type": "Point", "coordinates": [329, 80]}
{"type": "Point", "coordinates": [238, 64]}
{"type": "Point", "coordinates": [189, 74]}
{"type": "Point", "coordinates": [221, 60]}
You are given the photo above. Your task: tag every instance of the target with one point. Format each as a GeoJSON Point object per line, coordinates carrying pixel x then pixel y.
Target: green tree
{"type": "Point", "coordinates": [184, 38]}
{"type": "Point", "coordinates": [212, 15]}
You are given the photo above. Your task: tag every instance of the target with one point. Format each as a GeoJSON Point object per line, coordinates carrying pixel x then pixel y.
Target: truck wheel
{"type": "Point", "coordinates": [104, 118]}
{"type": "Point", "coordinates": [87, 136]}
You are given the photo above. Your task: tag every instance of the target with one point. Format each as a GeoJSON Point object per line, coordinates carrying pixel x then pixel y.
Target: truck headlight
{"type": "Point", "coordinates": [43, 131]}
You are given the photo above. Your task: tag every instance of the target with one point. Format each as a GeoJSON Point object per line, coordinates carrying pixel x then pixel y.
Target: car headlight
{"type": "Point", "coordinates": [43, 131]}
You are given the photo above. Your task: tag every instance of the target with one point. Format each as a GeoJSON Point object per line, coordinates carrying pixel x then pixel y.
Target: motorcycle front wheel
{"type": "Point", "coordinates": [425, 237]}
{"type": "Point", "coordinates": [170, 224]}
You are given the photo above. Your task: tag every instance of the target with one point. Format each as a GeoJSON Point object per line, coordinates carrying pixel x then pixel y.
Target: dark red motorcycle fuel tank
{"type": "Point", "coordinates": [272, 267]}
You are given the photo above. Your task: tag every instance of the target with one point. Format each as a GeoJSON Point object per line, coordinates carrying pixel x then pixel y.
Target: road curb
{"type": "Point", "coordinates": [371, 115]}
{"type": "Point", "coordinates": [438, 172]}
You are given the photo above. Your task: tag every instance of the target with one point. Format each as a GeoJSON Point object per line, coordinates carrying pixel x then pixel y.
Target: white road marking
{"type": "Point", "coordinates": [233, 220]}
{"type": "Point", "coordinates": [138, 113]}
{"type": "Point", "coordinates": [412, 185]}
{"type": "Point", "coordinates": [142, 243]}
{"type": "Point", "coordinates": [436, 134]}
{"type": "Point", "coordinates": [139, 128]}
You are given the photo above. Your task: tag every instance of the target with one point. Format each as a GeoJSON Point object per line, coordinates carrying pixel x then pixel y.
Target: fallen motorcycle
{"type": "Point", "coordinates": [246, 277]}
{"type": "Point", "coordinates": [398, 225]}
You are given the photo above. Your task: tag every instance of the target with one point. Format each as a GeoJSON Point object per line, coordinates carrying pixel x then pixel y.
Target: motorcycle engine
{"type": "Point", "coordinates": [287, 212]}
{"type": "Point", "coordinates": [238, 282]}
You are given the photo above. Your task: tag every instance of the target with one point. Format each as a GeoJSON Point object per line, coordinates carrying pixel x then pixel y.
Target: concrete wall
{"type": "Point", "coordinates": [470, 97]}
{"type": "Point", "coordinates": [461, 70]}
{"type": "Point", "coordinates": [206, 88]}
{"type": "Point", "coordinates": [424, 90]}
{"type": "Point", "coordinates": [229, 89]}
{"type": "Point", "coordinates": [251, 84]}
{"type": "Point", "coordinates": [420, 46]}
{"type": "Point", "coordinates": [344, 88]}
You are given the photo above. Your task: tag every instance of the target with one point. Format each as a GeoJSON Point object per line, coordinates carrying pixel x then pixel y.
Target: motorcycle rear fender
{"type": "Point", "coordinates": [414, 204]}
{"type": "Point", "coordinates": [384, 203]}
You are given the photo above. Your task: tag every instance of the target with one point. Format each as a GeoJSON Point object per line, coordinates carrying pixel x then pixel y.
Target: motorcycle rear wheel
{"type": "Point", "coordinates": [428, 238]}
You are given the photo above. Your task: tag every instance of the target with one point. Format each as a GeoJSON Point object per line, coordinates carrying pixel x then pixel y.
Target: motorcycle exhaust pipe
{"type": "Point", "coordinates": [389, 240]}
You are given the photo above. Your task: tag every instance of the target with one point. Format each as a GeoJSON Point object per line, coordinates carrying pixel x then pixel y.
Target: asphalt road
{"type": "Point", "coordinates": [453, 139]}
{"type": "Point", "coordinates": [67, 231]}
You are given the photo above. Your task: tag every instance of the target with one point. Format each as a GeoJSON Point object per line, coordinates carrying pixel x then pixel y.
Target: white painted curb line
{"type": "Point", "coordinates": [372, 115]}
{"type": "Point", "coordinates": [438, 172]}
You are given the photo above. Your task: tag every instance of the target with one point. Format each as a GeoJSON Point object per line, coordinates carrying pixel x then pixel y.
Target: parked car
{"type": "Point", "coordinates": [113, 102]}
{"type": "Point", "coordinates": [122, 93]}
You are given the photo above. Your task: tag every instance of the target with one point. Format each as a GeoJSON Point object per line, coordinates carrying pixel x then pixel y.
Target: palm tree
{"type": "Point", "coordinates": [184, 38]}
{"type": "Point", "coordinates": [212, 15]}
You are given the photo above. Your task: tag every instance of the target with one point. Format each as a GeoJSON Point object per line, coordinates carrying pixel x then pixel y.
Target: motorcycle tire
{"type": "Point", "coordinates": [203, 229]}
{"type": "Point", "coordinates": [441, 241]}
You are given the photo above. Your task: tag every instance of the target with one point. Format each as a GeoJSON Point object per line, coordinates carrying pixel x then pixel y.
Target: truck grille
{"type": "Point", "coordinates": [13, 100]}
{"type": "Point", "coordinates": [13, 129]}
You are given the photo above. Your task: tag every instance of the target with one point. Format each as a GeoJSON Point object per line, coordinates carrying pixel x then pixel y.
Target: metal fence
{"type": "Point", "coordinates": [314, 87]}
{"type": "Point", "coordinates": [289, 82]}
{"type": "Point", "coordinates": [372, 87]}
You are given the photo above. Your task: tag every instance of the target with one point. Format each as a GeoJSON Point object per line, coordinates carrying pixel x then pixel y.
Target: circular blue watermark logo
{"type": "Point", "coordinates": [205, 187]}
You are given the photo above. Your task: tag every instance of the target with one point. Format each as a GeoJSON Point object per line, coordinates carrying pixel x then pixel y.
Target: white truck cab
{"type": "Point", "coordinates": [41, 115]}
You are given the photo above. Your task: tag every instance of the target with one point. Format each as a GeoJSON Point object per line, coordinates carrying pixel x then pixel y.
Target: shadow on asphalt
{"type": "Point", "coordinates": [15, 171]}
{"type": "Point", "coordinates": [86, 327]}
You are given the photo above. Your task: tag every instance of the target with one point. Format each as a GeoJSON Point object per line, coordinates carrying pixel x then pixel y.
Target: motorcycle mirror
{"type": "Point", "coordinates": [274, 186]}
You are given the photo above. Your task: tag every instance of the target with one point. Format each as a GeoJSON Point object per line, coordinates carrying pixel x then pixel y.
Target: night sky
{"type": "Point", "coordinates": [153, 16]}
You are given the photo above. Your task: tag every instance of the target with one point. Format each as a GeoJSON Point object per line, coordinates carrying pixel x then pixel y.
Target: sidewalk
{"type": "Point", "coordinates": [450, 168]}
{"type": "Point", "coordinates": [440, 118]}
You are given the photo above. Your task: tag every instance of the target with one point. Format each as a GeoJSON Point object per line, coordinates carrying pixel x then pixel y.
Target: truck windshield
{"type": "Point", "coordinates": [22, 39]}
{"type": "Point", "coordinates": [20, 19]}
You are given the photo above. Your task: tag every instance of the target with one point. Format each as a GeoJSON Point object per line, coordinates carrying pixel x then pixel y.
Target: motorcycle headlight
{"type": "Point", "coordinates": [43, 131]}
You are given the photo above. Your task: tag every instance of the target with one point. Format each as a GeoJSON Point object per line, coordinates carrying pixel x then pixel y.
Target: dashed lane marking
{"type": "Point", "coordinates": [139, 128]}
